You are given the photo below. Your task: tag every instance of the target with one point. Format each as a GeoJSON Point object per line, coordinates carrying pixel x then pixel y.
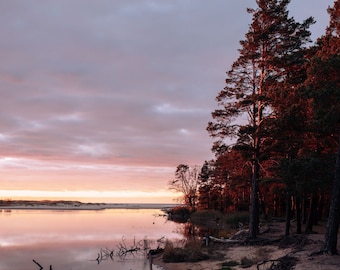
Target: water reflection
{"type": "Point", "coordinates": [72, 239]}
{"type": "Point", "coordinates": [193, 231]}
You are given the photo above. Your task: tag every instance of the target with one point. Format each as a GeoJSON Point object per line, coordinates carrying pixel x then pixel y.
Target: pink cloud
{"type": "Point", "coordinates": [129, 84]}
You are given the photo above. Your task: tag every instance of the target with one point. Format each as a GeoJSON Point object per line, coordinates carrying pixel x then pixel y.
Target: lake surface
{"type": "Point", "coordinates": [72, 239]}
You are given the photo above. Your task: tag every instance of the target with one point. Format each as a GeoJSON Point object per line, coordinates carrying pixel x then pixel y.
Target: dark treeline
{"type": "Point", "coordinates": [276, 128]}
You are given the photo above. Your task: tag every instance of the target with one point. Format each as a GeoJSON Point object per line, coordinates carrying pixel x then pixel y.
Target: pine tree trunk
{"type": "Point", "coordinates": [331, 236]}
{"type": "Point", "coordinates": [254, 211]}
{"type": "Point", "coordinates": [305, 203]}
{"type": "Point", "coordinates": [311, 215]}
{"type": "Point", "coordinates": [275, 205]}
{"type": "Point", "coordinates": [298, 214]}
{"type": "Point", "coordinates": [288, 213]}
{"type": "Point", "coordinates": [262, 205]}
{"type": "Point", "coordinates": [321, 206]}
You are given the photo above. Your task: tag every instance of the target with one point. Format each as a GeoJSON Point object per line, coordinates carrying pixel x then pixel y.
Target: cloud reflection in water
{"type": "Point", "coordinates": [71, 239]}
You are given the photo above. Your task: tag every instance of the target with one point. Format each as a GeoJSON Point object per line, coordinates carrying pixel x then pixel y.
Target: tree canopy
{"type": "Point", "coordinates": [269, 56]}
{"type": "Point", "coordinates": [276, 128]}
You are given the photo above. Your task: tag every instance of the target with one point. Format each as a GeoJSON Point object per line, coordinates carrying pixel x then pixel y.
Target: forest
{"type": "Point", "coordinates": [276, 128]}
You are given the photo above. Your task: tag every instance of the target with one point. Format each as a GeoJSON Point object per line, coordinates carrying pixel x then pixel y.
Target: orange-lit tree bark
{"type": "Point", "coordinates": [211, 185]}
{"type": "Point", "coordinates": [219, 185]}
{"type": "Point", "coordinates": [239, 171]}
{"type": "Point", "coordinates": [224, 184]}
{"type": "Point", "coordinates": [206, 182]}
{"type": "Point", "coordinates": [331, 236]}
{"type": "Point", "coordinates": [287, 132]}
{"type": "Point", "coordinates": [244, 104]}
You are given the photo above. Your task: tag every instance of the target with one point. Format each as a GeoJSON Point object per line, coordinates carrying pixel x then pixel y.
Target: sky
{"type": "Point", "coordinates": [101, 100]}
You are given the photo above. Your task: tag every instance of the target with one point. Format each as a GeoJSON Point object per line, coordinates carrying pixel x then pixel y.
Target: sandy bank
{"type": "Point", "coordinates": [262, 256]}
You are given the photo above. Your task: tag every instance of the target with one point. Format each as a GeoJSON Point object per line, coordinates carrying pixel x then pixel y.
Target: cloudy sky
{"type": "Point", "coordinates": [105, 98]}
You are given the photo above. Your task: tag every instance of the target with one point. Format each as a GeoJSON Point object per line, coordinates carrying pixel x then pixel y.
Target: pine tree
{"type": "Point", "coordinates": [206, 184]}
{"type": "Point", "coordinates": [244, 104]}
{"type": "Point", "coordinates": [324, 85]}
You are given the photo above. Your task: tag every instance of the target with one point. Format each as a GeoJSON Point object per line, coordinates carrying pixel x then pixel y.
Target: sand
{"type": "Point", "coordinates": [299, 247]}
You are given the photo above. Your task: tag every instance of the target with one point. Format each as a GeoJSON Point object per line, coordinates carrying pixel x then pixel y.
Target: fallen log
{"type": "Point", "coordinates": [222, 240]}
{"type": "Point", "coordinates": [240, 236]}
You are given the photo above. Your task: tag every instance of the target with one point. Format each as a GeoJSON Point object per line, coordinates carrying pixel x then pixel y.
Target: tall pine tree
{"type": "Point", "coordinates": [244, 104]}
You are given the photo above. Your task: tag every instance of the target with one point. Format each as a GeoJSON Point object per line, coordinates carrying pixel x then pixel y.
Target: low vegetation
{"type": "Point", "coordinates": [190, 252]}
{"type": "Point", "coordinates": [180, 214]}
{"type": "Point", "coordinates": [233, 220]}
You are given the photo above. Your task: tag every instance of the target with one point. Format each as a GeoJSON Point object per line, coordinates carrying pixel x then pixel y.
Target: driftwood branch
{"type": "Point", "coordinates": [220, 240]}
{"type": "Point", "coordinates": [39, 265]}
{"type": "Point", "coordinates": [104, 254]}
{"type": "Point", "coordinates": [123, 250]}
{"type": "Point", "coordinates": [41, 268]}
{"type": "Point", "coordinates": [241, 236]}
{"type": "Point", "coordinates": [134, 249]}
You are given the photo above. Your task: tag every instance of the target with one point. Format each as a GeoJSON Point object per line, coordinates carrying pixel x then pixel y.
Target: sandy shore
{"type": "Point", "coordinates": [262, 255]}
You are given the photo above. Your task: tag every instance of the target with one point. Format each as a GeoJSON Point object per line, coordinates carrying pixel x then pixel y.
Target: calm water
{"type": "Point", "coordinates": [72, 239]}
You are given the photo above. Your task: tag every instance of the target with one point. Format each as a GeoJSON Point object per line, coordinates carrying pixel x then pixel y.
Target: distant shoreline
{"type": "Point", "coordinates": [76, 205]}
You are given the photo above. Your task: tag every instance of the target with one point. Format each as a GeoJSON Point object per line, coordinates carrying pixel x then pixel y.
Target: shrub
{"type": "Point", "coordinates": [206, 218]}
{"type": "Point", "coordinates": [191, 252]}
{"type": "Point", "coordinates": [179, 213]}
{"type": "Point", "coordinates": [235, 218]}
{"type": "Point", "coordinates": [216, 220]}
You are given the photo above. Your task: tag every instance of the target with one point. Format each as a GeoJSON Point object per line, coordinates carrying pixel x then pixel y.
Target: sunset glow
{"type": "Point", "coordinates": [101, 101]}
{"type": "Point", "coordinates": [123, 196]}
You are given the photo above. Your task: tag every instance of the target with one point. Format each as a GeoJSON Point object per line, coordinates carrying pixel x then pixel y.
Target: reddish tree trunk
{"type": "Point", "coordinates": [298, 214]}
{"type": "Point", "coordinates": [331, 236]}
{"type": "Point", "coordinates": [288, 213]}
{"type": "Point", "coordinates": [254, 211]}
